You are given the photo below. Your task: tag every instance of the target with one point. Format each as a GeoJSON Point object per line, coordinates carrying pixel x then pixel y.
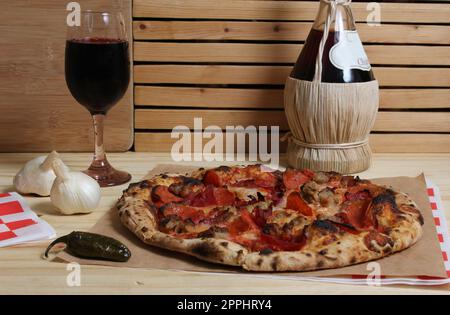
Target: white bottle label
{"type": "Point", "coordinates": [349, 53]}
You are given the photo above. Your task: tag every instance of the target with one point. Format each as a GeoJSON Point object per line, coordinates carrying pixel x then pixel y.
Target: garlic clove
{"type": "Point", "coordinates": [74, 192]}
{"type": "Point", "coordinates": [36, 176]}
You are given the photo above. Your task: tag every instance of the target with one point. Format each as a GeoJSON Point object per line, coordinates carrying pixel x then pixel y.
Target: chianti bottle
{"type": "Point", "coordinates": [331, 97]}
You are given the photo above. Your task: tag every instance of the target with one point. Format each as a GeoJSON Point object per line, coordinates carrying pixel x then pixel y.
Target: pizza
{"type": "Point", "coordinates": [271, 220]}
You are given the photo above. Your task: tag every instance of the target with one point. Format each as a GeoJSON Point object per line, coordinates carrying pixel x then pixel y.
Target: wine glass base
{"type": "Point", "coordinates": [107, 176]}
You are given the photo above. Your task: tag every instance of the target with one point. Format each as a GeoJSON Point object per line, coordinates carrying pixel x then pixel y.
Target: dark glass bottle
{"type": "Point", "coordinates": [344, 59]}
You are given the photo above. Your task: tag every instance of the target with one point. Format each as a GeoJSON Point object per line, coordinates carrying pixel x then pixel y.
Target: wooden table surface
{"type": "Point", "coordinates": [23, 271]}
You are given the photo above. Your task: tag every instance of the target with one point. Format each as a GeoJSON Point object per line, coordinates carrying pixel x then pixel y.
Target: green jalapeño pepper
{"type": "Point", "coordinates": [93, 246]}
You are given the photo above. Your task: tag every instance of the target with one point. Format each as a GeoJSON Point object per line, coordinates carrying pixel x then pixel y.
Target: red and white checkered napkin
{"type": "Point", "coordinates": [19, 224]}
{"type": "Point", "coordinates": [443, 235]}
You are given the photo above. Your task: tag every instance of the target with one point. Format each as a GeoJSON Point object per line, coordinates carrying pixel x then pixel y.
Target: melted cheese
{"type": "Point", "coordinates": [281, 217]}
{"type": "Point", "coordinates": [244, 193]}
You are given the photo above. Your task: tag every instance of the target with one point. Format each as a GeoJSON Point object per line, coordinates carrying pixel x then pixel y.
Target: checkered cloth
{"type": "Point", "coordinates": [19, 224]}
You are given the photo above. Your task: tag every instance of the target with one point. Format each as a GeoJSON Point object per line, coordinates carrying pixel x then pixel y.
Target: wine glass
{"type": "Point", "coordinates": [97, 66]}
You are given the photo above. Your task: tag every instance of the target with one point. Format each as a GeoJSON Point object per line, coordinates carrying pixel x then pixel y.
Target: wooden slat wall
{"type": "Point", "coordinates": [229, 65]}
{"type": "Point", "coordinates": [37, 111]}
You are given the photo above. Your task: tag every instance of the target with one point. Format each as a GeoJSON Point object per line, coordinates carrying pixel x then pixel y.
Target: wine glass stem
{"type": "Point", "coordinates": [99, 155]}
{"type": "Point", "coordinates": [100, 168]}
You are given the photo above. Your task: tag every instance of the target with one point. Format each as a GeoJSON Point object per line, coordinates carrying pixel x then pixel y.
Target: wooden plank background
{"type": "Point", "coordinates": [226, 62]}
{"type": "Point", "coordinates": [38, 112]}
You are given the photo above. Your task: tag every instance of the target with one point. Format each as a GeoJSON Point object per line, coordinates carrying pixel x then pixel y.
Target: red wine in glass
{"type": "Point", "coordinates": [97, 68]}
{"type": "Point", "coordinates": [104, 61]}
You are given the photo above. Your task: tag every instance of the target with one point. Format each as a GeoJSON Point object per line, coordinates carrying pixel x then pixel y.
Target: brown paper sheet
{"type": "Point", "coordinates": [423, 258]}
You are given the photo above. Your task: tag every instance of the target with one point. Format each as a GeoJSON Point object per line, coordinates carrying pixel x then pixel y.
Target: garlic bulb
{"type": "Point", "coordinates": [37, 176]}
{"type": "Point", "coordinates": [74, 192]}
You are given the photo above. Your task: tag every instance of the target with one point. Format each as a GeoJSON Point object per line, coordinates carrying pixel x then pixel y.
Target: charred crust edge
{"type": "Point", "coordinates": [206, 250]}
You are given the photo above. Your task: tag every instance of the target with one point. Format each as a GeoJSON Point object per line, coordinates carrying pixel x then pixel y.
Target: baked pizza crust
{"type": "Point", "coordinates": [347, 249]}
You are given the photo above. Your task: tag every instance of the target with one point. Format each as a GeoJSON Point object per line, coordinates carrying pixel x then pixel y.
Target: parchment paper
{"type": "Point", "coordinates": [422, 259]}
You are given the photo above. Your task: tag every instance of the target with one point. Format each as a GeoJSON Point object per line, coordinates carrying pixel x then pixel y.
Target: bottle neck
{"type": "Point", "coordinates": [341, 20]}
